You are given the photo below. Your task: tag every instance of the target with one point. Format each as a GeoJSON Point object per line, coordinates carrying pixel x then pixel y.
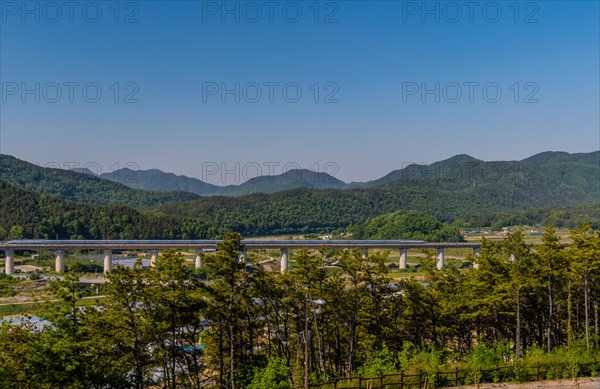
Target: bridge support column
{"type": "Point", "coordinates": [283, 265]}
{"type": "Point", "coordinates": [475, 255]}
{"type": "Point", "coordinates": [153, 258]}
{"type": "Point", "coordinates": [403, 258]}
{"type": "Point", "coordinates": [59, 262]}
{"type": "Point", "coordinates": [107, 261]}
{"type": "Point", "coordinates": [9, 262]}
{"type": "Point", "coordinates": [198, 259]}
{"type": "Point", "coordinates": [440, 258]}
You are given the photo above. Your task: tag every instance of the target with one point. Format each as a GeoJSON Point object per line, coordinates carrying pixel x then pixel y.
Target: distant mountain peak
{"type": "Point", "coordinates": [550, 157]}
{"type": "Point", "coordinates": [84, 170]}
{"type": "Point", "coordinates": [459, 159]}
{"type": "Point", "coordinates": [292, 175]}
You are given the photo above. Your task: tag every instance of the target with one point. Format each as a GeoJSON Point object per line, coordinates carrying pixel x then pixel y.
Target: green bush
{"type": "Point", "coordinates": [377, 363]}
{"type": "Point", "coordinates": [274, 376]}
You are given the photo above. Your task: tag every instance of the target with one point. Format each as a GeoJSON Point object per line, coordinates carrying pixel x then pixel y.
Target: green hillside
{"type": "Point", "coordinates": [568, 170]}
{"type": "Point", "coordinates": [25, 214]}
{"type": "Point", "coordinates": [80, 187]}
{"type": "Point", "coordinates": [546, 157]}
{"type": "Point", "coordinates": [518, 187]}
{"type": "Point", "coordinates": [463, 190]}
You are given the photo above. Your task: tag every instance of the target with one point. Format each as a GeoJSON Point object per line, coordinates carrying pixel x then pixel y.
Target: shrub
{"type": "Point", "coordinates": [274, 376]}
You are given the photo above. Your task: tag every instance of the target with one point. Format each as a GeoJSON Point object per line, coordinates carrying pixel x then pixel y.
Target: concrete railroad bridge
{"type": "Point", "coordinates": [154, 246]}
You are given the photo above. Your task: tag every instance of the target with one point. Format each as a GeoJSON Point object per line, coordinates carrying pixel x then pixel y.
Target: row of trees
{"type": "Point", "coordinates": [238, 325]}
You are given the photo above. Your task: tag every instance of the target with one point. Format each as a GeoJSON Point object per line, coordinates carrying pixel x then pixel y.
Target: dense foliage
{"type": "Point", "coordinates": [551, 188]}
{"type": "Point", "coordinates": [84, 188]}
{"type": "Point", "coordinates": [28, 215]}
{"type": "Point", "coordinates": [407, 225]}
{"type": "Point", "coordinates": [245, 328]}
{"type": "Point", "coordinates": [302, 211]}
{"type": "Point", "coordinates": [455, 190]}
{"type": "Point", "coordinates": [569, 216]}
{"type": "Point", "coordinates": [559, 169]}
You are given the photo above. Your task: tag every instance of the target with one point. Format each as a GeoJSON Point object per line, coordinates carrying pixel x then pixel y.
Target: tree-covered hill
{"type": "Point", "coordinates": [571, 170]}
{"type": "Point", "coordinates": [566, 169]}
{"type": "Point", "coordinates": [25, 214]}
{"type": "Point", "coordinates": [468, 170]}
{"type": "Point", "coordinates": [292, 179]}
{"type": "Point", "coordinates": [30, 215]}
{"type": "Point", "coordinates": [514, 189]}
{"type": "Point", "coordinates": [464, 190]}
{"type": "Point", "coordinates": [571, 216]}
{"type": "Point", "coordinates": [546, 157]}
{"type": "Point", "coordinates": [407, 225]}
{"type": "Point", "coordinates": [80, 187]}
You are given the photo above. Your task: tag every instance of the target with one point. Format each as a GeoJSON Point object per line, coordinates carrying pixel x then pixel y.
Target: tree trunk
{"type": "Point", "coordinates": [596, 322]}
{"type": "Point", "coordinates": [352, 335]}
{"type": "Point", "coordinates": [221, 357]}
{"type": "Point", "coordinates": [550, 315]}
{"type": "Point", "coordinates": [231, 356]}
{"type": "Point", "coordinates": [518, 331]}
{"type": "Point", "coordinates": [587, 313]}
{"type": "Point", "coordinates": [569, 314]}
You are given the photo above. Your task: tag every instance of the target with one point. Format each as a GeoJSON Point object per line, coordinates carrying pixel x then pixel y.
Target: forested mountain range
{"type": "Point", "coordinates": [461, 190]}
{"type": "Point", "coordinates": [80, 187]}
{"type": "Point", "coordinates": [566, 169]}
{"type": "Point", "coordinates": [465, 168]}
{"type": "Point", "coordinates": [26, 214]}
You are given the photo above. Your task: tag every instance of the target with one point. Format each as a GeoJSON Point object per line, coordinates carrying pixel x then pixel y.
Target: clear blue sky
{"type": "Point", "coordinates": [374, 58]}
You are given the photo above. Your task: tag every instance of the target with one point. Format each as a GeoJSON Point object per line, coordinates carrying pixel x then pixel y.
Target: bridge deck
{"type": "Point", "coordinates": [212, 244]}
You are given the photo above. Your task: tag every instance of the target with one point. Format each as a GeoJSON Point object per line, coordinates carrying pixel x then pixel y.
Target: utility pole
{"type": "Point", "coordinates": [306, 337]}
{"type": "Point", "coordinates": [306, 346]}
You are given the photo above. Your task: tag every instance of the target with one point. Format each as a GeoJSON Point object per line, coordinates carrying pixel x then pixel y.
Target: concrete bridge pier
{"type": "Point", "coordinates": [9, 262]}
{"type": "Point", "coordinates": [403, 258]}
{"type": "Point", "coordinates": [440, 258]}
{"type": "Point", "coordinates": [107, 261]}
{"type": "Point", "coordinates": [59, 262]}
{"type": "Point", "coordinates": [284, 261]}
{"type": "Point", "coordinates": [198, 259]}
{"type": "Point", "coordinates": [153, 257]}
